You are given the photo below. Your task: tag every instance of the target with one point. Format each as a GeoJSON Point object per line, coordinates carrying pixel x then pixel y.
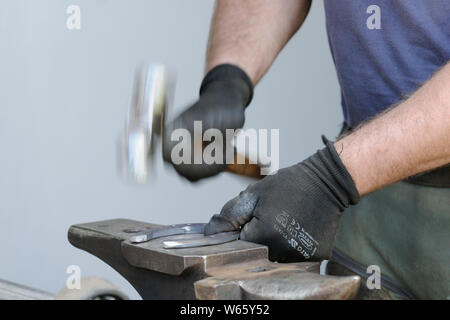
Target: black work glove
{"type": "Point", "coordinates": [225, 92]}
{"type": "Point", "coordinates": [296, 211]}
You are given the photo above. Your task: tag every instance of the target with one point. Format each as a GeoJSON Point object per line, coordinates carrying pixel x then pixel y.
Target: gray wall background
{"type": "Point", "coordinates": [63, 96]}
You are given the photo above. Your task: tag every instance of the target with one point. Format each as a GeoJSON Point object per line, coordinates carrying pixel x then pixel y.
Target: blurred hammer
{"type": "Point", "coordinates": [153, 90]}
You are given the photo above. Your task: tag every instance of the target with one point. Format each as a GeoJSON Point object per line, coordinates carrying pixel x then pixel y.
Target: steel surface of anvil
{"type": "Point", "coordinates": [232, 270]}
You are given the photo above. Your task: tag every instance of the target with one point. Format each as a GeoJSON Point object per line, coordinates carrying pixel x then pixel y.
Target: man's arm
{"type": "Point", "coordinates": [310, 195]}
{"type": "Point", "coordinates": [245, 38]}
{"type": "Point", "coordinates": [251, 33]}
{"type": "Point", "coordinates": [408, 139]}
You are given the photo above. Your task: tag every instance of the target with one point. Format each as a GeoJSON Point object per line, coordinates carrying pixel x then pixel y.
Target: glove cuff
{"type": "Point", "coordinates": [231, 75]}
{"type": "Point", "coordinates": [340, 173]}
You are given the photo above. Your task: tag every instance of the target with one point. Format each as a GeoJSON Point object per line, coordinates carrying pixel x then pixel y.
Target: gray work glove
{"type": "Point", "coordinates": [296, 211]}
{"type": "Point", "coordinates": [225, 92]}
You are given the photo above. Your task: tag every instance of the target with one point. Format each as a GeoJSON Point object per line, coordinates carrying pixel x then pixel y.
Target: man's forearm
{"type": "Point", "coordinates": [251, 33]}
{"type": "Point", "coordinates": [410, 138]}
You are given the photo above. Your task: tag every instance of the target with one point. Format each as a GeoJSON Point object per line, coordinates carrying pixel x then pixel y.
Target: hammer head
{"type": "Point", "coordinates": [152, 92]}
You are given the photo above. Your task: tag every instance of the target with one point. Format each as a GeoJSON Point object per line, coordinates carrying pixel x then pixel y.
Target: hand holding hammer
{"type": "Point", "coordinates": [225, 92]}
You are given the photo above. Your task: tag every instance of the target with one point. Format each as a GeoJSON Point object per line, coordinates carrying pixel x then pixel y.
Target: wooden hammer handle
{"type": "Point", "coordinates": [245, 169]}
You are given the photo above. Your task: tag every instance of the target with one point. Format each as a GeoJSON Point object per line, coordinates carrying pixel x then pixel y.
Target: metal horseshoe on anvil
{"type": "Point", "coordinates": [230, 269]}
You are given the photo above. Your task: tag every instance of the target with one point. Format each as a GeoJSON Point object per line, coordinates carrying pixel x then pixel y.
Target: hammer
{"type": "Point", "coordinates": [153, 91]}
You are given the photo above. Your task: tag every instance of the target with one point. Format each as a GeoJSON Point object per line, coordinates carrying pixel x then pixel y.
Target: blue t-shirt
{"type": "Point", "coordinates": [385, 49]}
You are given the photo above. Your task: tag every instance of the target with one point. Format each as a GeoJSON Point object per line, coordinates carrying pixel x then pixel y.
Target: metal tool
{"type": "Point", "coordinates": [181, 229]}
{"type": "Point", "coordinates": [232, 270]}
{"type": "Point", "coordinates": [201, 241]}
{"type": "Point", "coordinates": [153, 92]}
{"type": "Point", "coordinates": [174, 229]}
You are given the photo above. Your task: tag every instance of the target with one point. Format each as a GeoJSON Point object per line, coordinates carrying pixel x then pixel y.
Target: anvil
{"type": "Point", "coordinates": [233, 270]}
